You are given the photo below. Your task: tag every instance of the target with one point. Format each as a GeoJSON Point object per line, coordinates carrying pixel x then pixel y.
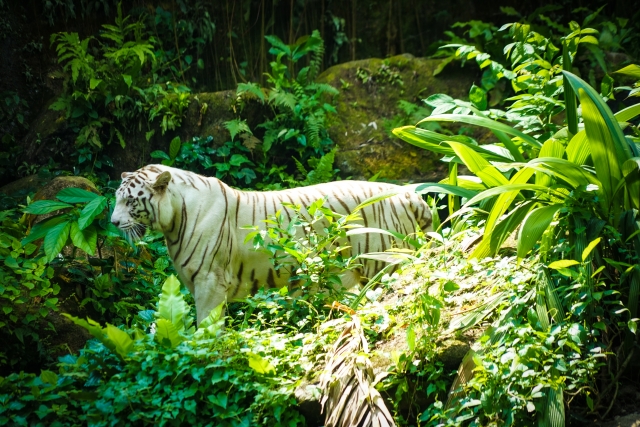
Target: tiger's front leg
{"type": "Point", "coordinates": [209, 291]}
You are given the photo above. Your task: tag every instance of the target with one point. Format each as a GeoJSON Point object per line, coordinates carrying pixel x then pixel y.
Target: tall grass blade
{"type": "Point", "coordinates": [628, 113]}
{"type": "Point", "coordinates": [569, 95]}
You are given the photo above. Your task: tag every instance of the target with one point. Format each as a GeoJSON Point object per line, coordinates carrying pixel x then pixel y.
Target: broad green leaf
{"type": "Point", "coordinates": [84, 239]}
{"type": "Point", "coordinates": [167, 333]}
{"type": "Point", "coordinates": [628, 113]}
{"type": "Point", "coordinates": [491, 192]}
{"type": "Point", "coordinates": [603, 150]}
{"type": "Point", "coordinates": [127, 78]}
{"type": "Point", "coordinates": [552, 409]}
{"type": "Point", "coordinates": [442, 188]}
{"type": "Point", "coordinates": [42, 228]}
{"type": "Point", "coordinates": [551, 148]}
{"type": "Point", "coordinates": [171, 305]}
{"type": "Point", "coordinates": [533, 226]}
{"type": "Point", "coordinates": [121, 340]}
{"type": "Point", "coordinates": [609, 148]}
{"type": "Point", "coordinates": [76, 195]}
{"type": "Point", "coordinates": [478, 97]}
{"type": "Point", "coordinates": [93, 83]}
{"type": "Point", "coordinates": [632, 70]}
{"type": "Point", "coordinates": [42, 207]}
{"type": "Point", "coordinates": [260, 364]}
{"type": "Point", "coordinates": [55, 239]}
{"type": "Point", "coordinates": [476, 315]}
{"type": "Point", "coordinates": [565, 170]}
{"type": "Point", "coordinates": [211, 321]}
{"type": "Point", "coordinates": [578, 150]}
{"type": "Point", "coordinates": [91, 210]}
{"type": "Point", "coordinates": [489, 174]}
{"type": "Point", "coordinates": [589, 248]}
{"type": "Point", "coordinates": [411, 337]}
{"type": "Point", "coordinates": [563, 263]}
{"type": "Point", "coordinates": [49, 377]}
{"type": "Point", "coordinates": [554, 304]}
{"type": "Point", "coordinates": [453, 202]}
{"type": "Point", "coordinates": [631, 172]}
{"type": "Point", "coordinates": [158, 154]}
{"type": "Point", "coordinates": [174, 147]}
{"type": "Point", "coordinates": [94, 329]}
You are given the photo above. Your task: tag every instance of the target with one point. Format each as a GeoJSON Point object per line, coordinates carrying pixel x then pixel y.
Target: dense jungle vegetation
{"type": "Point", "coordinates": [534, 254]}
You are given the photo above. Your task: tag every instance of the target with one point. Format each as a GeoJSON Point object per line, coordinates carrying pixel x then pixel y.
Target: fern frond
{"type": "Point", "coordinates": [283, 99]}
{"type": "Point", "coordinates": [321, 88]}
{"type": "Point", "coordinates": [236, 126]}
{"type": "Point", "coordinates": [312, 130]}
{"type": "Point", "coordinates": [250, 89]}
{"type": "Point", "coordinates": [316, 58]}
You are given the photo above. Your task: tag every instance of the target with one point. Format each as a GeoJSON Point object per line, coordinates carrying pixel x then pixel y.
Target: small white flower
{"type": "Point", "coordinates": [152, 329]}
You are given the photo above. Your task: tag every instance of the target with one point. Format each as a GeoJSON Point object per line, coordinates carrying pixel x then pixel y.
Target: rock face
{"type": "Point", "coordinates": [368, 101]}
{"type": "Point", "coordinates": [370, 90]}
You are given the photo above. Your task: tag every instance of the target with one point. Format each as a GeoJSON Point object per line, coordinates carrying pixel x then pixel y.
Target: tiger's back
{"type": "Point", "coordinates": [201, 218]}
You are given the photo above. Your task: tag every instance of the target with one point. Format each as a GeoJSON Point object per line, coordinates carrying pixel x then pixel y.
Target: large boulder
{"type": "Point", "coordinates": [370, 90]}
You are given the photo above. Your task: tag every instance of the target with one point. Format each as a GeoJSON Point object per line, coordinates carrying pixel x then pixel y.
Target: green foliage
{"type": "Point", "coordinates": [299, 105]}
{"type": "Point", "coordinates": [26, 296]}
{"type": "Point", "coordinates": [168, 376]}
{"type": "Point", "coordinates": [80, 225]}
{"type": "Point", "coordinates": [111, 83]}
{"type": "Point", "coordinates": [308, 244]}
{"type": "Point", "coordinates": [565, 187]}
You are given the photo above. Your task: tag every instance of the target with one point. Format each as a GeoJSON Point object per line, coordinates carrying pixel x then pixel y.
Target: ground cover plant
{"type": "Point", "coordinates": [537, 264]}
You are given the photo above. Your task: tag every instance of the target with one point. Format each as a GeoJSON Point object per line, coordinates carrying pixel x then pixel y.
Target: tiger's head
{"type": "Point", "coordinates": [137, 200]}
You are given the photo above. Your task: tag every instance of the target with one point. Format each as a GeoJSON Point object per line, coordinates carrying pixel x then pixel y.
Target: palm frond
{"type": "Point", "coordinates": [349, 396]}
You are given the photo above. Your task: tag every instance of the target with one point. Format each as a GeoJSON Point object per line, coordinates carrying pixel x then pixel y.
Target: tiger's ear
{"type": "Point", "coordinates": [162, 181]}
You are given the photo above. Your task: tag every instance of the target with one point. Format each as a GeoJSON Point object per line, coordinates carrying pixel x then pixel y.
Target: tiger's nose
{"type": "Point", "coordinates": [115, 222]}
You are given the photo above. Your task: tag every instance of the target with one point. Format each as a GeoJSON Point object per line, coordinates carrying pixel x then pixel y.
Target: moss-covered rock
{"type": "Point", "coordinates": [369, 93]}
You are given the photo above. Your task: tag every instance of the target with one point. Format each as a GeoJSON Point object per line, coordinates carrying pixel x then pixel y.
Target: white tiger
{"type": "Point", "coordinates": [201, 217]}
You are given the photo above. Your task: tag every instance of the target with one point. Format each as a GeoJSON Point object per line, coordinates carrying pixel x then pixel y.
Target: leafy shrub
{"type": "Point", "coordinates": [26, 296]}
{"type": "Point", "coordinates": [564, 189]}
{"type": "Point", "coordinates": [308, 246]}
{"type": "Point", "coordinates": [171, 375]}
{"type": "Point", "coordinates": [108, 95]}
{"type": "Point", "coordinates": [298, 126]}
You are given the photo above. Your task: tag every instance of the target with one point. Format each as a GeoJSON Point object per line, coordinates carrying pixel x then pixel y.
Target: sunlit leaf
{"type": "Point", "coordinates": [260, 364]}
{"type": "Point", "coordinates": [172, 306]}
{"type": "Point", "coordinates": [533, 226]}
{"type": "Point", "coordinates": [563, 263]}
{"type": "Point", "coordinates": [589, 248]}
